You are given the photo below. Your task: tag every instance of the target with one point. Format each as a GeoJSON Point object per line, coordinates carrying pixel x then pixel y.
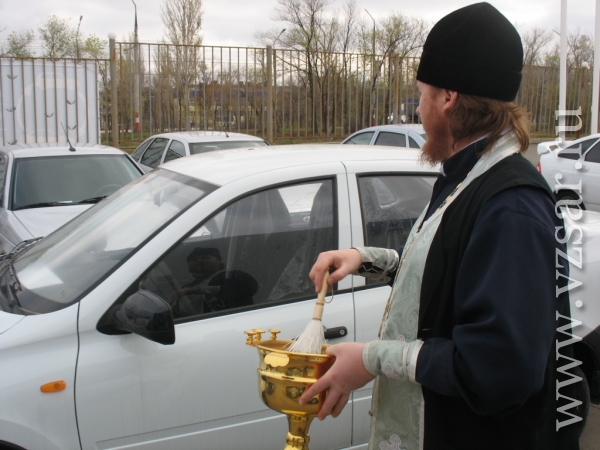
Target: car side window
{"type": "Point", "coordinates": [153, 155]}
{"type": "Point", "coordinates": [413, 143]}
{"type": "Point", "coordinates": [137, 153]}
{"type": "Point", "coordinates": [393, 139]}
{"type": "Point", "coordinates": [175, 150]}
{"type": "Point", "coordinates": [593, 155]}
{"type": "Point", "coordinates": [576, 150]}
{"type": "Point", "coordinates": [255, 252]}
{"type": "Point", "coordinates": [390, 207]}
{"type": "Point", "coordinates": [361, 138]}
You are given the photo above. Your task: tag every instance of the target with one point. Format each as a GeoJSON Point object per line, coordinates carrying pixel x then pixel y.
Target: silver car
{"type": "Point", "coordinates": [411, 136]}
{"type": "Point", "coordinates": [575, 166]}
{"type": "Point", "coordinates": [43, 187]}
{"type": "Point", "coordinates": [165, 147]}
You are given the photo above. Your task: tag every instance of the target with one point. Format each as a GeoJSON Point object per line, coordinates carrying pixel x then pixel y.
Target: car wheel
{"type": "Point", "coordinates": [570, 195]}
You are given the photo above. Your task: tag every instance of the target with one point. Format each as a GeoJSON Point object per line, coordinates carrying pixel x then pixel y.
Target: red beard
{"type": "Point", "coordinates": [435, 150]}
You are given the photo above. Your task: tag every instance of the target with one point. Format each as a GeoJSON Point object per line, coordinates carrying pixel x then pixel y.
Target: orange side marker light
{"type": "Point", "coordinates": [53, 386]}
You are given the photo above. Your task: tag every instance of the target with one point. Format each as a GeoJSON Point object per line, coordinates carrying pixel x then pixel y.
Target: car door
{"type": "Point", "coordinates": [363, 138]}
{"type": "Point", "coordinates": [561, 166]}
{"type": "Point", "coordinates": [589, 170]}
{"type": "Point", "coordinates": [386, 197]}
{"type": "Point", "coordinates": [391, 138]}
{"type": "Point", "coordinates": [175, 150]}
{"type": "Point", "coordinates": [201, 392]}
{"type": "Point", "coordinates": [153, 154]}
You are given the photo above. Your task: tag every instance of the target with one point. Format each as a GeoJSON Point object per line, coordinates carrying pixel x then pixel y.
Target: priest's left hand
{"type": "Point", "coordinates": [345, 375]}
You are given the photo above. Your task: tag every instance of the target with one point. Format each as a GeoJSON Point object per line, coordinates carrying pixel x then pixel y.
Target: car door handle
{"type": "Point", "coordinates": [583, 168]}
{"type": "Point", "coordinates": [336, 332]}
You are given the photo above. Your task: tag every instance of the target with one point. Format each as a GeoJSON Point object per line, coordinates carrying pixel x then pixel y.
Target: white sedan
{"type": "Point", "coordinates": [44, 186]}
{"type": "Point", "coordinates": [411, 136]}
{"type": "Point", "coordinates": [165, 147]}
{"type": "Point", "coordinates": [125, 328]}
{"type": "Point", "coordinates": [576, 166]}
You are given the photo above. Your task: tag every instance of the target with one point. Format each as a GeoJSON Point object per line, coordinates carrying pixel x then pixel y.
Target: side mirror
{"type": "Point", "coordinates": [147, 315]}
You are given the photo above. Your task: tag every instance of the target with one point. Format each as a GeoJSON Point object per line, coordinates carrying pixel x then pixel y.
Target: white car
{"type": "Point", "coordinates": [165, 147]}
{"type": "Point", "coordinates": [577, 162]}
{"type": "Point", "coordinates": [125, 329]}
{"type": "Point", "coordinates": [44, 186]}
{"type": "Point", "coordinates": [411, 136]}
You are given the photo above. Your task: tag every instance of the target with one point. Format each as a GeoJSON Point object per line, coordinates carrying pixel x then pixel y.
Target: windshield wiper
{"type": "Point", "coordinates": [90, 200]}
{"type": "Point", "coordinates": [7, 259]}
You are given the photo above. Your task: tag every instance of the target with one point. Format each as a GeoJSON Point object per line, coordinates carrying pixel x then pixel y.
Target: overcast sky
{"type": "Point", "coordinates": [234, 22]}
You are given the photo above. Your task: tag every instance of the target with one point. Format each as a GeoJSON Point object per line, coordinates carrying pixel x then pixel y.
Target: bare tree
{"type": "Point", "coordinates": [183, 22]}
{"type": "Point", "coordinates": [401, 35]}
{"type": "Point", "coordinates": [534, 43]}
{"type": "Point", "coordinates": [18, 43]}
{"type": "Point", "coordinates": [580, 49]}
{"type": "Point", "coordinates": [58, 37]}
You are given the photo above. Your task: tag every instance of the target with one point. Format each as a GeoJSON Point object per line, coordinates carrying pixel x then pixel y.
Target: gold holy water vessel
{"type": "Point", "coordinates": [282, 378]}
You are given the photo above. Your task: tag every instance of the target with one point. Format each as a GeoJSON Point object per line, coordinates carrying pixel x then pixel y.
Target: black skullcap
{"type": "Point", "coordinates": [474, 50]}
{"type": "Point", "coordinates": [200, 251]}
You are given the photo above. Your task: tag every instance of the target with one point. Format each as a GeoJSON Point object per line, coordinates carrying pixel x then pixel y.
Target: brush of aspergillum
{"type": "Point", "coordinates": [311, 340]}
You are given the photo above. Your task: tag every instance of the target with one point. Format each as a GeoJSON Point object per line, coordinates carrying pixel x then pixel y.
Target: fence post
{"type": "Point", "coordinates": [270, 93]}
{"type": "Point", "coordinates": [396, 112]}
{"type": "Point", "coordinates": [113, 89]}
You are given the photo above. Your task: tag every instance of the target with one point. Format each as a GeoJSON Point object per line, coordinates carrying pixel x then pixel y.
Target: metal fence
{"type": "Point", "coordinates": [313, 95]}
{"type": "Point", "coordinates": [280, 94]}
{"type": "Point", "coordinates": [45, 100]}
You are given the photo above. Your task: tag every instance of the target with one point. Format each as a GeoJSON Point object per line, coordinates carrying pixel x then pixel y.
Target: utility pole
{"type": "Point", "coordinates": [136, 76]}
{"type": "Point", "coordinates": [77, 37]}
{"type": "Point", "coordinates": [371, 99]}
{"type": "Point", "coordinates": [562, 88]}
{"type": "Point", "coordinates": [275, 73]}
{"type": "Point", "coordinates": [113, 90]}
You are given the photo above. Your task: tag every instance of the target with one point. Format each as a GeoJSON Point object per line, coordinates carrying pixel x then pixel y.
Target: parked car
{"type": "Point", "coordinates": [165, 147]}
{"type": "Point", "coordinates": [44, 186]}
{"type": "Point", "coordinates": [577, 162]}
{"type": "Point", "coordinates": [412, 136]}
{"type": "Point", "coordinates": [131, 319]}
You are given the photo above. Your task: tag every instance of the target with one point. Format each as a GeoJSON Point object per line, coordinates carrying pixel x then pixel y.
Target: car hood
{"type": "Point", "coordinates": [8, 320]}
{"type": "Point", "coordinates": [43, 221]}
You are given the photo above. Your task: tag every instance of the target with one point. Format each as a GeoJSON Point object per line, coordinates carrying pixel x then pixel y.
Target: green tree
{"type": "Point", "coordinates": [18, 44]}
{"type": "Point", "coordinates": [58, 37]}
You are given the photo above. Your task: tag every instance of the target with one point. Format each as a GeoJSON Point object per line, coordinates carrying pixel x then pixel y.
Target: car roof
{"type": "Point", "coordinates": [417, 128]}
{"type": "Point", "coordinates": [243, 162]}
{"type": "Point", "coordinates": [207, 136]}
{"type": "Point", "coordinates": [54, 149]}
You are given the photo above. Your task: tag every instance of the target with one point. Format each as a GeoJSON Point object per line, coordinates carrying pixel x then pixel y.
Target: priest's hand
{"type": "Point", "coordinates": [345, 375]}
{"type": "Point", "coordinates": [345, 262]}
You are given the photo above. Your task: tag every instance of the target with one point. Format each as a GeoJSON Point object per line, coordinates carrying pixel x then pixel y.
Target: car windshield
{"type": "Point", "coordinates": [62, 268]}
{"type": "Point", "coordinates": [203, 147]}
{"type": "Point", "coordinates": [67, 180]}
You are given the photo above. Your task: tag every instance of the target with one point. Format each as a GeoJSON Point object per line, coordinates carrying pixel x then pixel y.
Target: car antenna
{"type": "Point", "coordinates": [71, 148]}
